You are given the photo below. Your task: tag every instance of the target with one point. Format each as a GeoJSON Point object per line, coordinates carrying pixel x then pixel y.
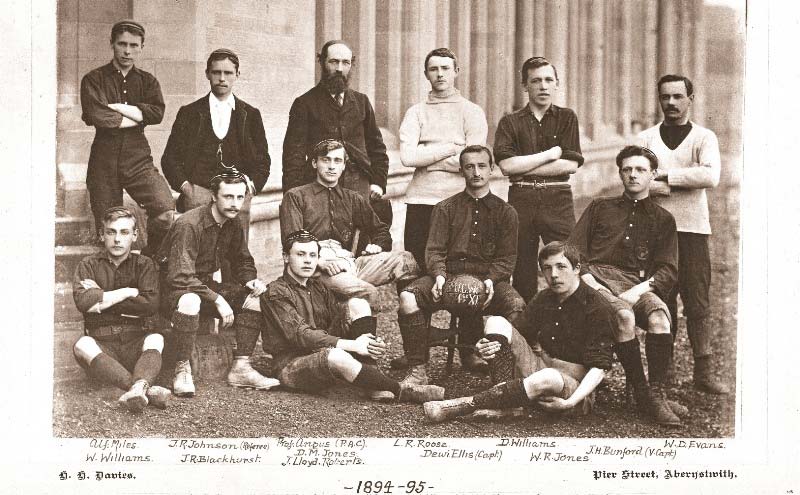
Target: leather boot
{"type": "Point", "coordinates": [704, 378]}
{"type": "Point", "coordinates": [442, 410]}
{"type": "Point", "coordinates": [414, 331]}
{"type": "Point", "coordinates": [420, 393]}
{"type": "Point", "coordinates": [136, 398]}
{"type": "Point", "coordinates": [660, 410]}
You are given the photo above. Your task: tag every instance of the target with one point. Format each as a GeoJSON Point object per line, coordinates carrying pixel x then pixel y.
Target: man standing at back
{"type": "Point", "coordinates": [119, 100]}
{"type": "Point", "coordinates": [331, 110]}
{"type": "Point", "coordinates": [538, 147]}
{"type": "Point", "coordinates": [216, 132]}
{"type": "Point", "coordinates": [689, 164]}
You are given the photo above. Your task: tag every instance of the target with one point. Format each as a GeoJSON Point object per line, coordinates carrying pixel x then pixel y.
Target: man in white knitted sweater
{"type": "Point", "coordinates": [689, 164]}
{"type": "Point", "coordinates": [432, 135]}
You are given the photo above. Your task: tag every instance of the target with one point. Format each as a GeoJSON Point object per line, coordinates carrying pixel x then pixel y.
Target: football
{"type": "Point", "coordinates": [463, 294]}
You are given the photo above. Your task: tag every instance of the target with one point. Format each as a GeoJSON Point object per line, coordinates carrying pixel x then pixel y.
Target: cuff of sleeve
{"type": "Point", "coordinates": [573, 156]}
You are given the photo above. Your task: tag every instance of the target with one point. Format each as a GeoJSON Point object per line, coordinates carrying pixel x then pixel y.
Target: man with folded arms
{"type": "Point", "coordinates": [355, 245]}
{"type": "Point", "coordinates": [116, 290]}
{"type": "Point", "coordinates": [538, 148]}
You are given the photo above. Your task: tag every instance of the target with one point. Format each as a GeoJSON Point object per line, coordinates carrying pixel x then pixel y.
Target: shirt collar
{"type": "Point", "coordinates": [579, 296]}
{"type": "Point", "coordinates": [490, 200]}
{"type": "Point", "coordinates": [109, 68]}
{"type": "Point", "coordinates": [207, 219]}
{"type": "Point", "coordinates": [294, 283]}
{"type": "Point", "coordinates": [229, 101]}
{"type": "Point", "coordinates": [645, 203]}
{"type": "Point", "coordinates": [553, 111]}
{"type": "Point", "coordinates": [318, 188]}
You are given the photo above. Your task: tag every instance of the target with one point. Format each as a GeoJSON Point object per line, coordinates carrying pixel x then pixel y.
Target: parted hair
{"type": "Point", "coordinates": [117, 212]}
{"type": "Point", "coordinates": [475, 148]}
{"type": "Point", "coordinates": [534, 63]}
{"type": "Point", "coordinates": [633, 150]}
{"type": "Point", "coordinates": [222, 54]}
{"type": "Point", "coordinates": [441, 52]}
{"type": "Point", "coordinates": [557, 247]}
{"type": "Point", "coordinates": [675, 78]}
{"type": "Point", "coordinates": [324, 147]}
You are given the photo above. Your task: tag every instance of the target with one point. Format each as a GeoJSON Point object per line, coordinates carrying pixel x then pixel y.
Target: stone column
{"type": "Point", "coordinates": [574, 70]}
{"type": "Point", "coordinates": [410, 54]}
{"type": "Point", "coordinates": [539, 28]}
{"type": "Point", "coordinates": [388, 77]}
{"type": "Point", "coordinates": [497, 64]}
{"type": "Point", "coordinates": [595, 49]}
{"type": "Point", "coordinates": [461, 43]}
{"type": "Point", "coordinates": [556, 44]}
{"type": "Point", "coordinates": [650, 72]}
{"type": "Point", "coordinates": [443, 25]}
{"type": "Point", "coordinates": [480, 53]}
{"type": "Point", "coordinates": [699, 50]}
{"type": "Point", "coordinates": [525, 46]}
{"type": "Point", "coordinates": [667, 34]}
{"type": "Point", "coordinates": [358, 29]}
{"type": "Point", "coordinates": [625, 93]}
{"type": "Point", "coordinates": [329, 25]}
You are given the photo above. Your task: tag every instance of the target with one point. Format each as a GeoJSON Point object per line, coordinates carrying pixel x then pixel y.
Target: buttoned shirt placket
{"type": "Point", "coordinates": [474, 238]}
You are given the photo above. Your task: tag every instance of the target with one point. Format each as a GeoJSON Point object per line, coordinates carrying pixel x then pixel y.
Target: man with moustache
{"type": "Point", "coordinates": [351, 264]}
{"type": "Point", "coordinates": [331, 110]}
{"type": "Point", "coordinates": [198, 243]}
{"type": "Point", "coordinates": [629, 251]}
{"type": "Point", "coordinates": [432, 135]}
{"type": "Point", "coordinates": [538, 148]}
{"type": "Point", "coordinates": [472, 232]}
{"type": "Point", "coordinates": [316, 341]}
{"type": "Point", "coordinates": [690, 164]}
{"type": "Point", "coordinates": [119, 100]}
{"type": "Point", "coordinates": [217, 131]}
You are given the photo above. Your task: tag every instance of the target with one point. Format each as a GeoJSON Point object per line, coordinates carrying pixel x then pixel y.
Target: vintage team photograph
{"type": "Point", "coordinates": [397, 218]}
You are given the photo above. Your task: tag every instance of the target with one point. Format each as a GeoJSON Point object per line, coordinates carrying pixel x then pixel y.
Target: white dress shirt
{"type": "Point", "coordinates": [221, 113]}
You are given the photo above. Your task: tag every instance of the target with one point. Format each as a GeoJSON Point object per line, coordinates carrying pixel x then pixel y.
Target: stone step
{"type": "Point", "coordinates": [74, 231]}
{"type": "Point", "coordinates": [67, 259]}
{"type": "Point", "coordinates": [64, 310]}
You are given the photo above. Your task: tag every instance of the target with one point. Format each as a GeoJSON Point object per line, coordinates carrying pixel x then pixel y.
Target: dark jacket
{"type": "Point", "coordinates": [178, 160]}
{"type": "Point", "coordinates": [315, 116]}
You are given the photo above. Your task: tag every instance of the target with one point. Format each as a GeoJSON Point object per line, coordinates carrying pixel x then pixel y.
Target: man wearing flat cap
{"type": "Point", "coordinates": [214, 133]}
{"type": "Point", "coordinates": [119, 100]}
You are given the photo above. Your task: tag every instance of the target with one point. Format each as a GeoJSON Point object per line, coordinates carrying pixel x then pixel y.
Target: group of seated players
{"type": "Point", "coordinates": [316, 320]}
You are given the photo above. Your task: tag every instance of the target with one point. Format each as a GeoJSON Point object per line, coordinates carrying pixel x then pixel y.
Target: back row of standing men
{"type": "Point", "coordinates": [218, 142]}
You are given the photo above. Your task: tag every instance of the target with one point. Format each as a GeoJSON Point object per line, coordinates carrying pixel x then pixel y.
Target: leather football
{"type": "Point", "coordinates": [463, 294]}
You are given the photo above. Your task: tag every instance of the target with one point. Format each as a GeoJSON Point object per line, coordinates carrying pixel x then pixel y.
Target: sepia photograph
{"type": "Point", "coordinates": [401, 246]}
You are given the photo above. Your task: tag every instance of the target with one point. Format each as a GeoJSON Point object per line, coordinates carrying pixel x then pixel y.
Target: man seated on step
{"type": "Point", "coordinates": [116, 290]}
{"type": "Point", "coordinates": [197, 244]}
{"type": "Point", "coordinates": [554, 356]}
{"type": "Point", "coordinates": [472, 232]}
{"type": "Point", "coordinates": [355, 245]}
{"type": "Point", "coordinates": [311, 340]}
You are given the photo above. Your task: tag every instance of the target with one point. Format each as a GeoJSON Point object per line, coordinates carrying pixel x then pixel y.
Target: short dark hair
{"type": "Point", "coordinates": [134, 28]}
{"type": "Point", "coordinates": [301, 235]}
{"type": "Point", "coordinates": [633, 150]}
{"type": "Point", "coordinates": [557, 247]}
{"type": "Point", "coordinates": [222, 54]}
{"type": "Point", "coordinates": [535, 63]}
{"type": "Point", "coordinates": [231, 176]}
{"type": "Point", "coordinates": [475, 148]}
{"type": "Point", "coordinates": [322, 56]}
{"type": "Point", "coordinates": [676, 78]}
{"type": "Point", "coordinates": [117, 212]}
{"type": "Point", "coordinates": [441, 52]}
{"type": "Point", "coordinates": [324, 147]}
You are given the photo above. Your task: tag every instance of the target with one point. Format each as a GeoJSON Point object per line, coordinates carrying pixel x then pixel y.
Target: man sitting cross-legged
{"type": "Point", "coordinates": [310, 340]}
{"type": "Point", "coordinates": [556, 356]}
{"type": "Point", "coordinates": [115, 289]}
{"type": "Point", "coordinates": [340, 218]}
